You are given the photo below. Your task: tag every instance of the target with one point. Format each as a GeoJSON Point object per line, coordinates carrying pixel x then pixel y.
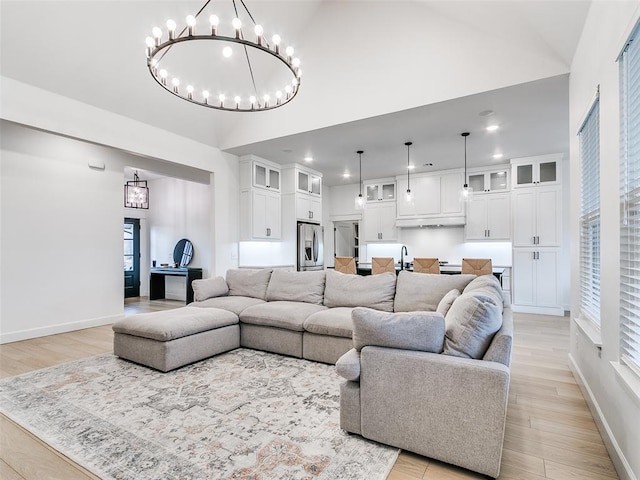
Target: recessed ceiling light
{"type": "Point", "coordinates": [497, 155]}
{"type": "Point", "coordinates": [486, 113]}
{"type": "Point", "coordinates": [308, 159]}
{"type": "Point", "coordinates": [492, 128]}
{"type": "Point", "coordinates": [411, 167]}
{"type": "Point", "coordinates": [346, 175]}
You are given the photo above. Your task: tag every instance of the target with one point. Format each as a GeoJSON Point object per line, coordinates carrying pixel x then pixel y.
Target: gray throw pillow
{"type": "Point", "coordinates": [248, 282]}
{"type": "Point", "coordinates": [471, 322]}
{"type": "Point", "coordinates": [296, 286]}
{"type": "Point", "coordinates": [447, 301]}
{"type": "Point", "coordinates": [209, 288]}
{"type": "Point", "coordinates": [423, 331]}
{"type": "Point", "coordinates": [488, 284]}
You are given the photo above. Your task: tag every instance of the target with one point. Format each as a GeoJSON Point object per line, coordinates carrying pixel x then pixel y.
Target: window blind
{"type": "Point", "coordinates": [590, 215]}
{"type": "Point", "coordinates": [630, 204]}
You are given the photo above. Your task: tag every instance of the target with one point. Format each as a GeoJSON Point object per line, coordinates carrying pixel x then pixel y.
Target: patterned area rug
{"type": "Point", "coordinates": [241, 415]}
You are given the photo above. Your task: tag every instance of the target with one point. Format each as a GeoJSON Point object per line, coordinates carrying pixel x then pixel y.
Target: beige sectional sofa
{"type": "Point", "coordinates": [425, 357]}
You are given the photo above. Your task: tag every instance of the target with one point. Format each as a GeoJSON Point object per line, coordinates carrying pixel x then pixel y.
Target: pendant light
{"type": "Point", "coordinates": [408, 196]}
{"type": "Point", "coordinates": [467, 191]}
{"type": "Point", "coordinates": [359, 200]}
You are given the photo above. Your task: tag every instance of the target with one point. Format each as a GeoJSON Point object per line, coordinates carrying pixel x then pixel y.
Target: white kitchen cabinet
{"type": "Point", "coordinates": [308, 208]}
{"type": "Point", "coordinates": [260, 200]}
{"type": "Point", "coordinates": [308, 182]}
{"type": "Point", "coordinates": [535, 281]}
{"type": "Point", "coordinates": [537, 216]}
{"type": "Point", "coordinates": [436, 199]}
{"type": "Point", "coordinates": [380, 191]}
{"type": "Point", "coordinates": [488, 181]}
{"type": "Point", "coordinates": [488, 217]}
{"type": "Point", "coordinates": [539, 170]}
{"type": "Point", "coordinates": [379, 222]}
{"type": "Point", "coordinates": [260, 215]}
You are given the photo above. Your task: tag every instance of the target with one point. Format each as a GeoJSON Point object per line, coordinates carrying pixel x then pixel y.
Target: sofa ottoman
{"type": "Point", "coordinates": [170, 339]}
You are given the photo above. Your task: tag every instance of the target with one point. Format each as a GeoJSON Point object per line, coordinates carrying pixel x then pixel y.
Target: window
{"type": "Point", "coordinates": [630, 204]}
{"type": "Point", "coordinates": [590, 215]}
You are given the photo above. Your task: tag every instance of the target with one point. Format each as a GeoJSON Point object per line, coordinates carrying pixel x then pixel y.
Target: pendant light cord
{"type": "Point", "coordinates": [465, 135]}
{"type": "Point", "coordinates": [408, 144]}
{"type": "Point", "coordinates": [360, 152]}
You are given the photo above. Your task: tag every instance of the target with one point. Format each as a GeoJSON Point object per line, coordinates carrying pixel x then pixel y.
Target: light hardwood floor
{"type": "Point", "coordinates": [550, 432]}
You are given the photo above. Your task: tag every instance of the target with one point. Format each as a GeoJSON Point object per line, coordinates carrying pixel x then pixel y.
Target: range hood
{"type": "Point", "coordinates": [448, 221]}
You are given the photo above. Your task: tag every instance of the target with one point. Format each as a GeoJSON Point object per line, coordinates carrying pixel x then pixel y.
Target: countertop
{"type": "Point", "coordinates": [448, 268]}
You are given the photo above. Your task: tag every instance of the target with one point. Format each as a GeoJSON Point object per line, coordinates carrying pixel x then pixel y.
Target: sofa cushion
{"type": "Point", "coordinates": [209, 288]}
{"type": "Point", "coordinates": [445, 304]}
{"type": "Point", "coordinates": [422, 331]}
{"type": "Point", "coordinates": [348, 365]}
{"type": "Point", "coordinates": [235, 304]}
{"type": "Point", "coordinates": [333, 321]}
{"type": "Point", "coordinates": [248, 282]}
{"type": "Point", "coordinates": [281, 314]}
{"type": "Point", "coordinates": [373, 291]}
{"type": "Point", "coordinates": [172, 324]}
{"type": "Point", "coordinates": [423, 291]}
{"type": "Point", "coordinates": [296, 286]}
{"type": "Point", "coordinates": [488, 283]}
{"type": "Point", "coordinates": [471, 322]}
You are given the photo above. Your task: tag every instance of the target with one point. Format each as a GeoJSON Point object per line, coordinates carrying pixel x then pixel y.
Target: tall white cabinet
{"type": "Point", "coordinates": [260, 201]}
{"type": "Point", "coordinates": [536, 201]}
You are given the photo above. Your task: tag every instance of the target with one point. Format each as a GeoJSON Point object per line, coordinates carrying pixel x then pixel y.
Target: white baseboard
{"type": "Point", "coordinates": [54, 329]}
{"type": "Point", "coordinates": [617, 456]}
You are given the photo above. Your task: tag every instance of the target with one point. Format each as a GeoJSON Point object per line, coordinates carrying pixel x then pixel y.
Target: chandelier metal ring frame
{"type": "Point", "coordinates": [156, 49]}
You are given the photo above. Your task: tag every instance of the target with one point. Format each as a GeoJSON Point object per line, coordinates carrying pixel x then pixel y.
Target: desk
{"type": "Point", "coordinates": [157, 277]}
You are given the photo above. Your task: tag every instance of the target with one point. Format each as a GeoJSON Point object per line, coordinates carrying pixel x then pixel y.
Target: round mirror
{"type": "Point", "coordinates": [183, 252]}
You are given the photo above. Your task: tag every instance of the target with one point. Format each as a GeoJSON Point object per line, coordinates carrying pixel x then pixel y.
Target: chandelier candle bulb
{"type": "Point", "coordinates": [157, 35]}
{"type": "Point", "coordinates": [266, 100]}
{"type": "Point", "coordinates": [276, 43]}
{"type": "Point", "coordinates": [252, 101]}
{"type": "Point", "coordinates": [237, 99]}
{"type": "Point", "coordinates": [163, 76]}
{"type": "Point", "coordinates": [205, 95]}
{"type": "Point", "coordinates": [278, 97]}
{"type": "Point", "coordinates": [214, 21]}
{"type": "Point", "coordinates": [190, 92]}
{"type": "Point", "coordinates": [259, 31]}
{"type": "Point", "coordinates": [171, 26]}
{"type": "Point", "coordinates": [237, 25]}
{"type": "Point", "coordinates": [176, 85]}
{"type": "Point", "coordinates": [221, 97]}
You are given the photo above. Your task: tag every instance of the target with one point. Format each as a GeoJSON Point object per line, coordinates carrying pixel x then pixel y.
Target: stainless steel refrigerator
{"type": "Point", "coordinates": [310, 252]}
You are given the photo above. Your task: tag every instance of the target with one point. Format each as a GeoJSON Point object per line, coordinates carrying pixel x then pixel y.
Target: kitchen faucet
{"type": "Point", "coordinates": [403, 252]}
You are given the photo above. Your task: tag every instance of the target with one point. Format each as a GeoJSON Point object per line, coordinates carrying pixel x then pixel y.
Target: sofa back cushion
{"type": "Point", "coordinates": [445, 303]}
{"type": "Point", "coordinates": [248, 282]}
{"type": "Point", "coordinates": [471, 323]}
{"type": "Point", "coordinates": [209, 288]}
{"type": "Point", "coordinates": [296, 286]}
{"type": "Point", "coordinates": [423, 331]}
{"type": "Point", "coordinates": [373, 291]}
{"type": "Point", "coordinates": [423, 291]}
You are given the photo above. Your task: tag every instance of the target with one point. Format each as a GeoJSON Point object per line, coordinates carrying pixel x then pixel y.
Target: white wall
{"type": "Point", "coordinates": [31, 157]}
{"type": "Point", "coordinates": [614, 398]}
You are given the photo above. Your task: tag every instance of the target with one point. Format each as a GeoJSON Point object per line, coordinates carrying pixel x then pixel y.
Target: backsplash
{"type": "Point", "coordinates": [445, 243]}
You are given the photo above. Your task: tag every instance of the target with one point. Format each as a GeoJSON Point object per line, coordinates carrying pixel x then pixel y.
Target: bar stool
{"type": "Point", "coordinates": [382, 265]}
{"type": "Point", "coordinates": [477, 266]}
{"type": "Point", "coordinates": [426, 265]}
{"type": "Point", "coordinates": [345, 265]}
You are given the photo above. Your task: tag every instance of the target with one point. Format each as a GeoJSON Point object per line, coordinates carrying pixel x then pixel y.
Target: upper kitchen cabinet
{"type": "Point", "coordinates": [488, 218]}
{"type": "Point", "coordinates": [435, 199]}
{"type": "Point", "coordinates": [489, 181]}
{"type": "Point", "coordinates": [533, 171]}
{"type": "Point", "coordinates": [308, 182]}
{"type": "Point", "coordinates": [379, 223]}
{"type": "Point", "coordinates": [380, 190]}
{"type": "Point", "coordinates": [302, 193]}
{"type": "Point", "coordinates": [260, 173]}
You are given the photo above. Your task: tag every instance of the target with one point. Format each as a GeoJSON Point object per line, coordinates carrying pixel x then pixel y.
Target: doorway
{"type": "Point", "coordinates": [131, 257]}
{"type": "Point", "coordinates": [345, 239]}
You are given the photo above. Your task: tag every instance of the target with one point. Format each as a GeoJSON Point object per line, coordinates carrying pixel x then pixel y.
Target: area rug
{"type": "Point", "coordinates": [241, 415]}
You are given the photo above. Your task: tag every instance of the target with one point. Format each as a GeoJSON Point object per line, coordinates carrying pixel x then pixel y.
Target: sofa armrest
{"type": "Point", "coordinates": [348, 365]}
{"type": "Point", "coordinates": [449, 408]}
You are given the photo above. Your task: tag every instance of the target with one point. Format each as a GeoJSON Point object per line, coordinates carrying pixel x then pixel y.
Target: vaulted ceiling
{"type": "Point", "coordinates": [376, 73]}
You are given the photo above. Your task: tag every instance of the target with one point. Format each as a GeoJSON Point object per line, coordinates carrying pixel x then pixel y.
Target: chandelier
{"type": "Point", "coordinates": [136, 193]}
{"type": "Point", "coordinates": [237, 58]}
